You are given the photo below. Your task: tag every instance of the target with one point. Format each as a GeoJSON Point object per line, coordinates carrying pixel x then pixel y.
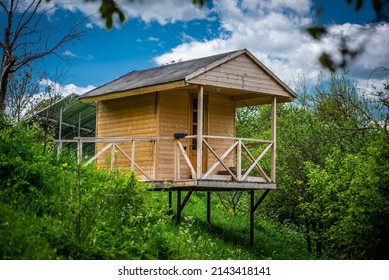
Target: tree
{"type": "Point", "coordinates": [22, 90]}
{"type": "Point", "coordinates": [25, 40]}
{"type": "Point", "coordinates": [350, 199]}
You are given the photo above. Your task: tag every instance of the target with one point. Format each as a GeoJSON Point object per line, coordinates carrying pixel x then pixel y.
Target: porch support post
{"type": "Point", "coordinates": [254, 207]}
{"type": "Point", "coordinates": [209, 208]}
{"type": "Point", "coordinates": [200, 129]}
{"type": "Point", "coordinates": [133, 156]}
{"type": "Point", "coordinates": [178, 218]}
{"type": "Point", "coordinates": [251, 218]}
{"type": "Point", "coordinates": [170, 200]}
{"type": "Point", "coordinates": [180, 206]}
{"type": "Point", "coordinates": [274, 138]}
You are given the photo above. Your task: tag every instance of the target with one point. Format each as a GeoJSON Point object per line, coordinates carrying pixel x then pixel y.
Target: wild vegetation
{"type": "Point", "coordinates": [332, 171]}
{"type": "Point", "coordinates": [331, 202]}
{"type": "Point", "coordinates": [52, 209]}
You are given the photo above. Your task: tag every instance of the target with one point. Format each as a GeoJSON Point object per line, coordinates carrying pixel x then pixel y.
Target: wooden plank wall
{"type": "Point", "coordinates": [173, 118]}
{"type": "Point", "coordinates": [241, 73]}
{"type": "Point", "coordinates": [133, 116]}
{"type": "Point", "coordinates": [221, 122]}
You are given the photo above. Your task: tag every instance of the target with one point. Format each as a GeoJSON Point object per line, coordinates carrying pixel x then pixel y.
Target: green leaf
{"type": "Point", "coordinates": [377, 5]}
{"type": "Point", "coordinates": [316, 32]}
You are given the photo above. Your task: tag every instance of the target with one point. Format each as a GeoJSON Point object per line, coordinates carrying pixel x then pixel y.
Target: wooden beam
{"type": "Point", "coordinates": [132, 92]}
{"type": "Point", "coordinates": [180, 206]}
{"type": "Point", "coordinates": [274, 137]}
{"type": "Point", "coordinates": [239, 160]}
{"type": "Point", "coordinates": [261, 199]}
{"type": "Point", "coordinates": [200, 130]}
{"type": "Point", "coordinates": [220, 159]}
{"type": "Point", "coordinates": [183, 152]}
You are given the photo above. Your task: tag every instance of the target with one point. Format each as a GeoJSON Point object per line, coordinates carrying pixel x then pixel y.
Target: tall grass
{"type": "Point", "coordinates": [50, 208]}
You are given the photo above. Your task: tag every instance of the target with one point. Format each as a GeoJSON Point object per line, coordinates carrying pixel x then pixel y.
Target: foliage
{"type": "Point", "coordinates": [351, 200]}
{"type": "Point", "coordinates": [50, 208]}
{"type": "Point", "coordinates": [331, 165]}
{"type": "Point", "coordinates": [18, 47]}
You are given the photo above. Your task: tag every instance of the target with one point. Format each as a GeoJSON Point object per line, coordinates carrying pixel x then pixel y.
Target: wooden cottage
{"type": "Point", "coordinates": [174, 125]}
{"type": "Point", "coordinates": [153, 120]}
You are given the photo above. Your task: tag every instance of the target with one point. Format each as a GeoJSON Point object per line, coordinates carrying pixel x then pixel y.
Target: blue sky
{"type": "Point", "coordinates": [159, 32]}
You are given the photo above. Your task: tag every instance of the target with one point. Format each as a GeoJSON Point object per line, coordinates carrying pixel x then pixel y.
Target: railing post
{"type": "Point", "coordinates": [274, 138]}
{"type": "Point", "coordinates": [154, 173]}
{"type": "Point", "coordinates": [132, 155]}
{"type": "Point", "coordinates": [175, 152]}
{"type": "Point", "coordinates": [239, 161]}
{"type": "Point", "coordinates": [79, 151]}
{"type": "Point", "coordinates": [200, 115]}
{"type": "Point", "coordinates": [113, 156]}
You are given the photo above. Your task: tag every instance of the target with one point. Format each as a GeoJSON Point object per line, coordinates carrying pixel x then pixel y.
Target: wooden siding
{"type": "Point", "coordinates": [243, 74]}
{"type": "Point", "coordinates": [173, 117]}
{"type": "Point", "coordinates": [128, 117]}
{"type": "Point", "coordinates": [221, 116]}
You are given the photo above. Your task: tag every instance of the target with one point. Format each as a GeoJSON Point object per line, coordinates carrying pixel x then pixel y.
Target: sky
{"type": "Point", "coordinates": [162, 32]}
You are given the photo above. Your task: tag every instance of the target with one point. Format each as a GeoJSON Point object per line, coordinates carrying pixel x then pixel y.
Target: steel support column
{"type": "Point", "coordinates": [209, 208]}
{"type": "Point", "coordinates": [180, 206]}
{"type": "Point", "coordinates": [254, 207]}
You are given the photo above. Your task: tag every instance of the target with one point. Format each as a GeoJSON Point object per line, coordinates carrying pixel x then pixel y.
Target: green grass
{"type": "Point", "coordinates": [229, 234]}
{"type": "Point", "coordinates": [51, 209]}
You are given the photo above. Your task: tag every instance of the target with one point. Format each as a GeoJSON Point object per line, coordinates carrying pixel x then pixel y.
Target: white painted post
{"type": "Point", "coordinates": [79, 151]}
{"type": "Point", "coordinates": [200, 115]}
{"type": "Point", "coordinates": [113, 159]}
{"type": "Point", "coordinates": [175, 163]}
{"type": "Point", "coordinates": [274, 137]}
{"type": "Point", "coordinates": [239, 161]}
{"type": "Point", "coordinates": [133, 155]}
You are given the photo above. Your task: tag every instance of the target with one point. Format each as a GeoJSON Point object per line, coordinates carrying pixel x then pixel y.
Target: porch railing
{"type": "Point", "coordinates": [235, 162]}
{"type": "Point", "coordinates": [243, 163]}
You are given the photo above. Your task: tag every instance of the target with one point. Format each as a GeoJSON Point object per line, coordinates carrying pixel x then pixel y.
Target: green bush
{"type": "Point", "coordinates": [50, 208]}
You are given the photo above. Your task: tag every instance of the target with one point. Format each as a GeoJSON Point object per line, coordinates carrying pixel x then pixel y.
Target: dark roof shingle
{"type": "Point", "coordinates": [154, 76]}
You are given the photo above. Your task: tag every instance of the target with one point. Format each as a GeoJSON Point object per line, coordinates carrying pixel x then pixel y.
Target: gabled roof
{"type": "Point", "coordinates": [171, 76]}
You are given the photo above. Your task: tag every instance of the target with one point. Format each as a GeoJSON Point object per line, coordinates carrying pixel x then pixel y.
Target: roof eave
{"type": "Point", "coordinates": [136, 91]}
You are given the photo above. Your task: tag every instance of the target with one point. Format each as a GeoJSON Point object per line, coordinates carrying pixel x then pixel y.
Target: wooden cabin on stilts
{"type": "Point", "coordinates": [174, 126]}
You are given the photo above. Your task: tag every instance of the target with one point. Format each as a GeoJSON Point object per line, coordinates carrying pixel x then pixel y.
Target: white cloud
{"type": "Point", "coordinates": [89, 25]}
{"type": "Point", "coordinates": [163, 12]}
{"type": "Point", "coordinates": [65, 90]}
{"type": "Point", "coordinates": [69, 54]}
{"type": "Point", "coordinates": [273, 32]}
{"type": "Point", "coordinates": [153, 39]}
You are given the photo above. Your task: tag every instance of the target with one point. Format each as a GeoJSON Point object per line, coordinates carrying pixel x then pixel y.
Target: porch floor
{"type": "Point", "coordinates": [210, 185]}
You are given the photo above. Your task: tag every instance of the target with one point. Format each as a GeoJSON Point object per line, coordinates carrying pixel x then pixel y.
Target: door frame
{"type": "Point", "coordinates": [193, 118]}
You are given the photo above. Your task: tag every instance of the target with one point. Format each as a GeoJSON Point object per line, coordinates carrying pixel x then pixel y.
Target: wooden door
{"type": "Point", "coordinates": [193, 117]}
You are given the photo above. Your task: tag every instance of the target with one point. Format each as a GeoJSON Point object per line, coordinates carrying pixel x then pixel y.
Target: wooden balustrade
{"type": "Point", "coordinates": [239, 167]}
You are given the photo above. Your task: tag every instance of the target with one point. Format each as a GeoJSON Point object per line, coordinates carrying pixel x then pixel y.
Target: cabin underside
{"type": "Point", "coordinates": [210, 185]}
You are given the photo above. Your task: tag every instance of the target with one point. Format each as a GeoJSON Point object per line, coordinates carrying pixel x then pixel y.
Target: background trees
{"type": "Point", "coordinates": [25, 39]}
